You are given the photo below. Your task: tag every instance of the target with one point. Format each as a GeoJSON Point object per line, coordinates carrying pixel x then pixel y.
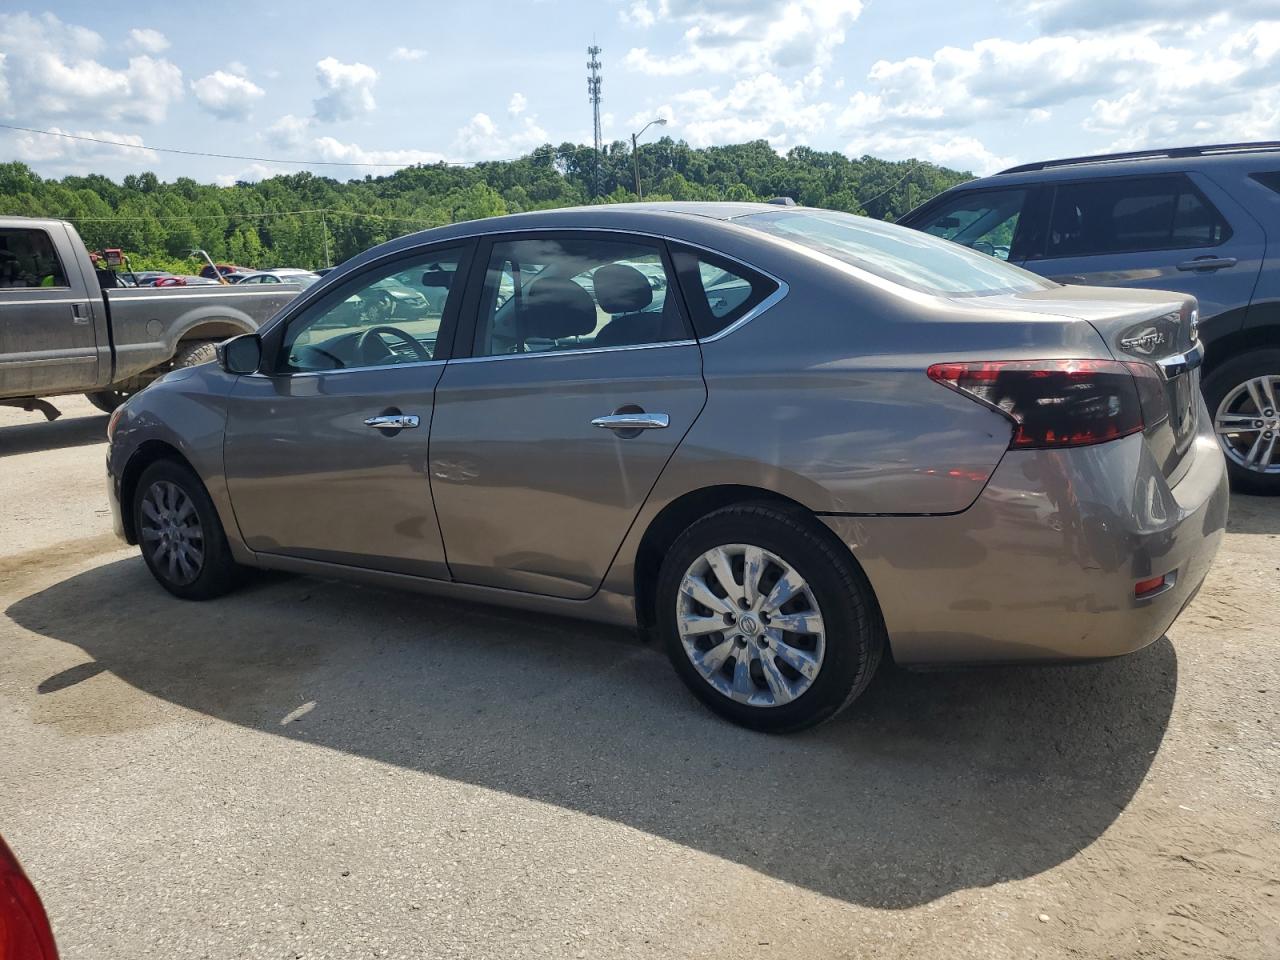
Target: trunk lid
{"type": "Point", "coordinates": [1154, 327]}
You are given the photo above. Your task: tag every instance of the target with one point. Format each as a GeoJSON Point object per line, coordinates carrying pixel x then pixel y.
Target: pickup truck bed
{"type": "Point", "coordinates": [61, 333]}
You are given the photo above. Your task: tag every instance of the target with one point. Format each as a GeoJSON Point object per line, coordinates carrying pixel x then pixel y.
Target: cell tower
{"type": "Point", "coordinates": [593, 94]}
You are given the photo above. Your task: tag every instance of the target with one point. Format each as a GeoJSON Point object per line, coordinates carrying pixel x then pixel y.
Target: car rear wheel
{"type": "Point", "coordinates": [766, 619]}
{"type": "Point", "coordinates": [180, 535]}
{"type": "Point", "coordinates": [1244, 396]}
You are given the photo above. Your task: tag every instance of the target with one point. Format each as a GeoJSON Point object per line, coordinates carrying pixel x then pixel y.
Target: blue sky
{"type": "Point", "coordinates": [968, 85]}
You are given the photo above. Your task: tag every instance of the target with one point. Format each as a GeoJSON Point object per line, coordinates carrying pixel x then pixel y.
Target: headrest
{"type": "Point", "coordinates": [621, 289]}
{"type": "Point", "coordinates": [555, 308]}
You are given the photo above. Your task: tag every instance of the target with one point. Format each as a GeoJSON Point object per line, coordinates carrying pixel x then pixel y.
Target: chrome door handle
{"type": "Point", "coordinates": [633, 421]}
{"type": "Point", "coordinates": [1207, 263]}
{"type": "Point", "coordinates": [392, 421]}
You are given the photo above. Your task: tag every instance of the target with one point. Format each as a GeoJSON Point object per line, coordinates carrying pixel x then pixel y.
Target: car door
{"type": "Point", "coordinates": [326, 449]}
{"type": "Point", "coordinates": [583, 377]}
{"type": "Point", "coordinates": [1165, 232]}
{"type": "Point", "coordinates": [48, 335]}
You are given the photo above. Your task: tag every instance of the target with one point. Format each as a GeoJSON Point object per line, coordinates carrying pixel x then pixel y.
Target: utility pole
{"type": "Point", "coordinates": [324, 229]}
{"type": "Point", "coordinates": [593, 95]}
{"type": "Point", "coordinates": [635, 150]}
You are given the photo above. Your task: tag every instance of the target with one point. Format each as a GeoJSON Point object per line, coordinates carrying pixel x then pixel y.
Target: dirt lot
{"type": "Point", "coordinates": [311, 769]}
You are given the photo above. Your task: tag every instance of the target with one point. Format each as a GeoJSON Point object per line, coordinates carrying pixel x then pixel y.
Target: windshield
{"type": "Point", "coordinates": [898, 254]}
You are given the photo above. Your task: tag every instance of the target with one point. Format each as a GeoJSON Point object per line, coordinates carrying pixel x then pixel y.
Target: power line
{"type": "Point", "coordinates": [326, 211]}
{"type": "Point", "coordinates": [236, 156]}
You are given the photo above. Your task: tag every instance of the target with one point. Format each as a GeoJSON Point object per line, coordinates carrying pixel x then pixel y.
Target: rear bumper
{"type": "Point", "coordinates": [1042, 566]}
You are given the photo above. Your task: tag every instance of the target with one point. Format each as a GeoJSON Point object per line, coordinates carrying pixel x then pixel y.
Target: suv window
{"type": "Point", "coordinates": [388, 316]}
{"type": "Point", "coordinates": [985, 220]}
{"type": "Point", "coordinates": [1269, 179]}
{"type": "Point", "coordinates": [1132, 214]}
{"type": "Point", "coordinates": [556, 293]}
{"type": "Point", "coordinates": [719, 292]}
{"type": "Point", "coordinates": [28, 259]}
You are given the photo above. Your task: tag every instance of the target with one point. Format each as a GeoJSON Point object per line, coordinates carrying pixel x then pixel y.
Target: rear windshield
{"type": "Point", "coordinates": [898, 254]}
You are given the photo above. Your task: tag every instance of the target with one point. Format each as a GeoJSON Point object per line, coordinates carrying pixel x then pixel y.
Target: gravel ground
{"type": "Point", "coordinates": [310, 769]}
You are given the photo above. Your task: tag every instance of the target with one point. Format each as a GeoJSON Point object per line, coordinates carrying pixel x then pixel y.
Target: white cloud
{"type": "Point", "coordinates": [227, 96]}
{"type": "Point", "coordinates": [1061, 16]}
{"type": "Point", "coordinates": [724, 36]}
{"type": "Point", "coordinates": [957, 152]}
{"type": "Point", "coordinates": [288, 131]}
{"type": "Point", "coordinates": [50, 72]}
{"type": "Point", "coordinates": [761, 107]}
{"type": "Point", "coordinates": [347, 90]}
{"type": "Point", "coordinates": [482, 139]}
{"type": "Point", "coordinates": [329, 148]}
{"type": "Point", "coordinates": [517, 104]}
{"type": "Point", "coordinates": [407, 53]}
{"type": "Point", "coordinates": [639, 13]}
{"type": "Point", "coordinates": [238, 68]}
{"type": "Point", "coordinates": [148, 41]}
{"type": "Point", "coordinates": [80, 154]}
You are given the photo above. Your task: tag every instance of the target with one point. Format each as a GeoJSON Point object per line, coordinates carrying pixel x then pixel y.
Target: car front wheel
{"type": "Point", "coordinates": [180, 535]}
{"type": "Point", "coordinates": [766, 619]}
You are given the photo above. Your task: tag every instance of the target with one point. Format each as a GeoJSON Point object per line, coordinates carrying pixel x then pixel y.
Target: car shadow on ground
{"type": "Point", "coordinates": [932, 783]}
{"type": "Point", "coordinates": [40, 435]}
{"type": "Point", "coordinates": [1254, 514]}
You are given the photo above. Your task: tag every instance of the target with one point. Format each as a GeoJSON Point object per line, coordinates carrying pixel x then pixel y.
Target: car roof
{"type": "Point", "coordinates": [1245, 157]}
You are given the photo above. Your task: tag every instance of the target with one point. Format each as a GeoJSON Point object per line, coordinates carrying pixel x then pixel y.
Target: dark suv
{"type": "Point", "coordinates": [1199, 220]}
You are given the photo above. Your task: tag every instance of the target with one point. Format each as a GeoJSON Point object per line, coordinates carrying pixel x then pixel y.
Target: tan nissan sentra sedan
{"type": "Point", "coordinates": [781, 439]}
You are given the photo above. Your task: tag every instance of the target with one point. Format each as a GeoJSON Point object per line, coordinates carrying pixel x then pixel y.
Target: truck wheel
{"type": "Point", "coordinates": [108, 400]}
{"type": "Point", "coordinates": [1243, 395]}
{"type": "Point", "coordinates": [195, 352]}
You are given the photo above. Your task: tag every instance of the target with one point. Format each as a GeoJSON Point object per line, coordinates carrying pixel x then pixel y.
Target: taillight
{"type": "Point", "coordinates": [1055, 403]}
{"type": "Point", "coordinates": [24, 928]}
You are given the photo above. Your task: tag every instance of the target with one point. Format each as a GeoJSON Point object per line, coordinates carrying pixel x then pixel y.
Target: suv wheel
{"type": "Point", "coordinates": [1243, 394]}
{"type": "Point", "coordinates": [766, 620]}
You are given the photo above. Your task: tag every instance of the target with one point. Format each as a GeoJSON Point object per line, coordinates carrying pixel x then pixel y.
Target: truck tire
{"type": "Point", "coordinates": [1231, 393]}
{"type": "Point", "coordinates": [195, 352]}
{"type": "Point", "coordinates": [108, 400]}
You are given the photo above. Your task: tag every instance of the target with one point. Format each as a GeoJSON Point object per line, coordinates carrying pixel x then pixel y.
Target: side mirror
{"type": "Point", "coordinates": [241, 355]}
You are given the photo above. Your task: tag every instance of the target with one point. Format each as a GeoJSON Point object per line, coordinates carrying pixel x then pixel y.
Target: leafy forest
{"type": "Point", "coordinates": [304, 220]}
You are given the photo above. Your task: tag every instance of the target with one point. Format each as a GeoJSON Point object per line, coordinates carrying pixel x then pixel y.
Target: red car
{"type": "Point", "coordinates": [25, 933]}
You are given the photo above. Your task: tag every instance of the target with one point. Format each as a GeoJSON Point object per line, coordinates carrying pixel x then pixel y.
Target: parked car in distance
{"type": "Point", "coordinates": [62, 332]}
{"type": "Point", "coordinates": [303, 278]}
{"type": "Point", "coordinates": [822, 435]}
{"type": "Point", "coordinates": [1204, 221]}
{"type": "Point", "coordinates": [25, 933]}
{"type": "Point", "coordinates": [148, 278]}
{"type": "Point", "coordinates": [185, 281]}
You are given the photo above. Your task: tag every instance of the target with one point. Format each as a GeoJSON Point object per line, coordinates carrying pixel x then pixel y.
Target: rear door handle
{"type": "Point", "coordinates": [633, 421]}
{"type": "Point", "coordinates": [79, 314]}
{"type": "Point", "coordinates": [1207, 263]}
{"type": "Point", "coordinates": [392, 421]}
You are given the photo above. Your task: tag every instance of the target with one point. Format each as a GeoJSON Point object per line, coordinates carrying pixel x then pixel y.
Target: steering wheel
{"type": "Point", "coordinates": [365, 339]}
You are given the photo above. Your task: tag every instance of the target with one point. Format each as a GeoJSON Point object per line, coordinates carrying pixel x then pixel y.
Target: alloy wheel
{"type": "Point", "coordinates": [1248, 424]}
{"type": "Point", "coordinates": [171, 532]}
{"type": "Point", "coordinates": [750, 625]}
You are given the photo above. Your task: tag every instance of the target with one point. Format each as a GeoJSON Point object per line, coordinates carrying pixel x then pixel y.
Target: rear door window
{"type": "Point", "coordinates": [1130, 215]}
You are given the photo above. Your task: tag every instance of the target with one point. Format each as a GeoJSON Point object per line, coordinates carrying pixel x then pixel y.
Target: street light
{"type": "Point", "coordinates": [635, 157]}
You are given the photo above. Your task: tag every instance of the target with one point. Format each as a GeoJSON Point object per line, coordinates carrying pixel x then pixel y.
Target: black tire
{"type": "Point", "coordinates": [195, 352]}
{"type": "Point", "coordinates": [854, 630]}
{"type": "Point", "coordinates": [1224, 379]}
{"type": "Point", "coordinates": [107, 400]}
{"type": "Point", "coordinates": [217, 572]}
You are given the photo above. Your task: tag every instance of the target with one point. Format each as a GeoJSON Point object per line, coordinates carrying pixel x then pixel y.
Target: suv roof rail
{"type": "Point", "coordinates": [1214, 148]}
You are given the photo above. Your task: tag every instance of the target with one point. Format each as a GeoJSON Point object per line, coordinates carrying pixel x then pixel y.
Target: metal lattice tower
{"type": "Point", "coordinates": [593, 94]}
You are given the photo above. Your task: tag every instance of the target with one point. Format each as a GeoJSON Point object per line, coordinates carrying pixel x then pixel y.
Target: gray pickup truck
{"type": "Point", "coordinates": [64, 327]}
